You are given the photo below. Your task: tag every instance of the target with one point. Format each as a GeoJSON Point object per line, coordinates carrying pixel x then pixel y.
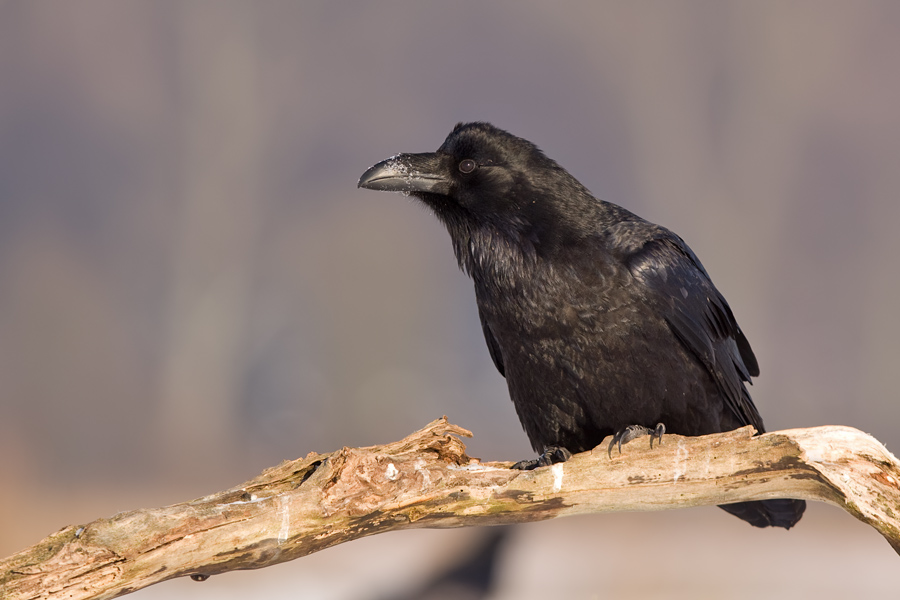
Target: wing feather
{"type": "Point", "coordinates": [493, 346]}
{"type": "Point", "coordinates": [700, 318]}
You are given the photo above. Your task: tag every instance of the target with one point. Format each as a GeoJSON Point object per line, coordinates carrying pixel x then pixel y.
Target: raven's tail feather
{"type": "Point", "coordinates": [768, 513]}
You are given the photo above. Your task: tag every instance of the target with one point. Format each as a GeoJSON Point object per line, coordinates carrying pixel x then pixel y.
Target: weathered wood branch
{"type": "Point", "coordinates": [427, 481]}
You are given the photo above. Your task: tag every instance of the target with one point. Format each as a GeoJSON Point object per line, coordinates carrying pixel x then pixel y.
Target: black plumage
{"type": "Point", "coordinates": [598, 319]}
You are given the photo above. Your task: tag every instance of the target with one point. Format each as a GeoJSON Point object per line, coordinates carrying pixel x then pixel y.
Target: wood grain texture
{"type": "Point", "coordinates": [426, 480]}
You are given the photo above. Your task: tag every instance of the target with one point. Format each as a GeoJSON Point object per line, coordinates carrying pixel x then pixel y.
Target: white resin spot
{"type": "Point", "coordinates": [557, 471]}
{"type": "Point", "coordinates": [391, 472]}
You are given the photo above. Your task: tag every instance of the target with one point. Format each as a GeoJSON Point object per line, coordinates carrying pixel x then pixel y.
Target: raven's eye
{"type": "Point", "coordinates": [467, 166]}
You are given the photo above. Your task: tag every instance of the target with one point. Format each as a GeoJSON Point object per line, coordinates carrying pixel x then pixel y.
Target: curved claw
{"type": "Point", "coordinates": [550, 456]}
{"type": "Point", "coordinates": [526, 465]}
{"type": "Point", "coordinates": [657, 433]}
{"type": "Point", "coordinates": [625, 435]}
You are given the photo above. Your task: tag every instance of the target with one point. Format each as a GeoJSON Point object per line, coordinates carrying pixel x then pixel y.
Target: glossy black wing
{"type": "Point", "coordinates": [700, 318]}
{"type": "Point", "coordinates": [493, 346]}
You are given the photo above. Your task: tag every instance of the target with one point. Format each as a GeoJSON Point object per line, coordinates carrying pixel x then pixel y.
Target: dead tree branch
{"type": "Point", "coordinates": [427, 481]}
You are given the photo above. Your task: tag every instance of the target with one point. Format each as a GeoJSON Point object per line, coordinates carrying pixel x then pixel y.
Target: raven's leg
{"type": "Point", "coordinates": [623, 436]}
{"type": "Point", "coordinates": [551, 455]}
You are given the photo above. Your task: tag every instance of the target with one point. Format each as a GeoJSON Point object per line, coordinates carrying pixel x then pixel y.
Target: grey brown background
{"type": "Point", "coordinates": [192, 288]}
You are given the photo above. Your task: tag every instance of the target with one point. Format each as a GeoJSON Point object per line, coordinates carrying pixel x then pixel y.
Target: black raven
{"type": "Point", "coordinates": [602, 323]}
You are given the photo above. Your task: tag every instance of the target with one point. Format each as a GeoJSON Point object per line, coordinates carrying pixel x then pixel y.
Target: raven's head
{"type": "Point", "coordinates": [486, 183]}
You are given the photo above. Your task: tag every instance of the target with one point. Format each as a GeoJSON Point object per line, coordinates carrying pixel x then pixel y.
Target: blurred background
{"type": "Point", "coordinates": [192, 288]}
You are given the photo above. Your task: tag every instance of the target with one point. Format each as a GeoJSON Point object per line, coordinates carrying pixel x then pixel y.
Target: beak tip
{"type": "Point", "coordinates": [405, 173]}
{"type": "Point", "coordinates": [371, 174]}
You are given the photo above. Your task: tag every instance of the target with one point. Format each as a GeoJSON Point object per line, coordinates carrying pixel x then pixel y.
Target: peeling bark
{"type": "Point", "coordinates": [426, 480]}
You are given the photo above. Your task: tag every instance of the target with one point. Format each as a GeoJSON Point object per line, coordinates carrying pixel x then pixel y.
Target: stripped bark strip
{"type": "Point", "coordinates": [426, 480]}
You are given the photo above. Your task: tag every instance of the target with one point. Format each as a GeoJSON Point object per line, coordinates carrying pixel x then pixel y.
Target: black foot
{"type": "Point", "coordinates": [623, 436]}
{"type": "Point", "coordinates": [551, 455]}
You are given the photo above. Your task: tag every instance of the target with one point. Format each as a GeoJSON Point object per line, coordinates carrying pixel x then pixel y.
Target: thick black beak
{"type": "Point", "coordinates": [408, 173]}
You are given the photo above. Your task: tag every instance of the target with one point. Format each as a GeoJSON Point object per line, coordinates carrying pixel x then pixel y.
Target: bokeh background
{"type": "Point", "coordinates": [192, 288]}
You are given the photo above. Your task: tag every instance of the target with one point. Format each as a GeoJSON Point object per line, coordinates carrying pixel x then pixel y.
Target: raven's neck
{"type": "Point", "coordinates": [503, 254]}
{"type": "Point", "coordinates": [498, 258]}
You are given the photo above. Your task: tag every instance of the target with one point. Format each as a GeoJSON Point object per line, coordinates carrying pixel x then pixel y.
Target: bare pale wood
{"type": "Point", "coordinates": [427, 481]}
